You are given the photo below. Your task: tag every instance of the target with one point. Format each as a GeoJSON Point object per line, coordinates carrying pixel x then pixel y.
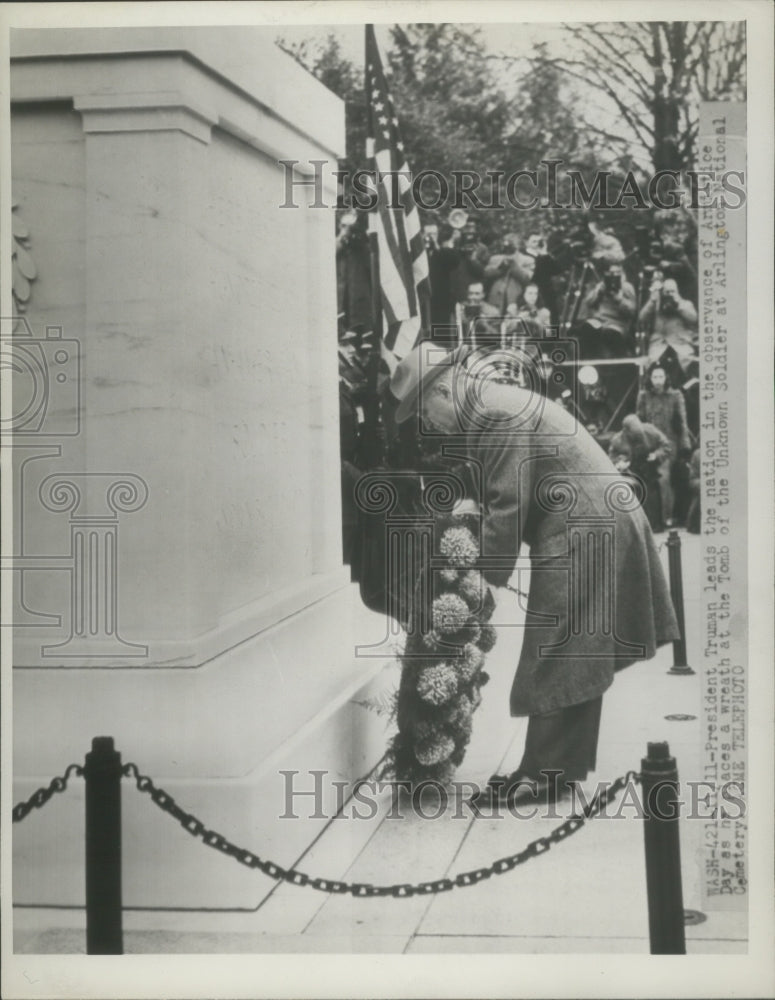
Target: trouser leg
{"type": "Point", "coordinates": [681, 498]}
{"type": "Point", "coordinates": [564, 740]}
{"type": "Point", "coordinates": [666, 489]}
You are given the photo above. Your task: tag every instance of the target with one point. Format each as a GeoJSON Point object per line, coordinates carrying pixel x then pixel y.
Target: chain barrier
{"type": "Point", "coordinates": [211, 838]}
{"type": "Point", "coordinates": [38, 799]}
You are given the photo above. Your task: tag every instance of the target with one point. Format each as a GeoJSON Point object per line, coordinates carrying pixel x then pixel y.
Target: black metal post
{"type": "Point", "coordinates": [579, 296]}
{"type": "Point", "coordinates": [659, 776]}
{"type": "Point", "coordinates": [102, 773]}
{"type": "Point", "coordinates": [680, 666]}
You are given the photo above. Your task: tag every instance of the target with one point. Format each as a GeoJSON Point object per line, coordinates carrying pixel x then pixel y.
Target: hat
{"type": "Point", "coordinates": [422, 366]}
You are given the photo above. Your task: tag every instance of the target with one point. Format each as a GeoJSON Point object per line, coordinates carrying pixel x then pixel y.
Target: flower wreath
{"type": "Point", "coordinates": [442, 663]}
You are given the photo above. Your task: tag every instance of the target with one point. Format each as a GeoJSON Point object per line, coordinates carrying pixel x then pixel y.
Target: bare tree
{"type": "Point", "coordinates": [651, 77]}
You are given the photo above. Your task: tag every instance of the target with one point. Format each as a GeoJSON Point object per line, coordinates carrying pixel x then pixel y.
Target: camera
{"type": "Point", "coordinates": [430, 236]}
{"type": "Point", "coordinates": [45, 383]}
{"type": "Point", "coordinates": [612, 282]}
{"type": "Point", "coordinates": [578, 243]}
{"type": "Point", "coordinates": [669, 302]}
{"type": "Point", "coordinates": [656, 250]}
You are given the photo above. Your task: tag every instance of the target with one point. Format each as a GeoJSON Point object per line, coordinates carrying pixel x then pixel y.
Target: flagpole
{"type": "Point", "coordinates": [372, 448]}
{"type": "Point", "coordinates": [398, 262]}
{"type": "Point", "coordinates": [376, 290]}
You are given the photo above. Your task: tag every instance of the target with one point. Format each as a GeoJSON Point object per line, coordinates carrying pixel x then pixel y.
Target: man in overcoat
{"type": "Point", "coordinates": [598, 599]}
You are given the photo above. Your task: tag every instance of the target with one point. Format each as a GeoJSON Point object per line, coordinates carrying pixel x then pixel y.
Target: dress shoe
{"type": "Point", "coordinates": [523, 790]}
{"type": "Point", "coordinates": [519, 788]}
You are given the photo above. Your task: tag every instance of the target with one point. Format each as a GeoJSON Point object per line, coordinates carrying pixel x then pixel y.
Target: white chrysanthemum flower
{"type": "Point", "coordinates": [459, 547]}
{"type": "Point", "coordinates": [450, 613]}
{"type": "Point", "coordinates": [437, 684]}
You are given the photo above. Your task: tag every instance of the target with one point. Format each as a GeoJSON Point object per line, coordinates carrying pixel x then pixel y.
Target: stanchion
{"type": "Point", "coordinates": [659, 776]}
{"type": "Point", "coordinates": [680, 666]}
{"type": "Point", "coordinates": [102, 773]}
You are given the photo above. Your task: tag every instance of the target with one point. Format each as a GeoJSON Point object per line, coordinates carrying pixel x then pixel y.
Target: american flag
{"type": "Point", "coordinates": [403, 263]}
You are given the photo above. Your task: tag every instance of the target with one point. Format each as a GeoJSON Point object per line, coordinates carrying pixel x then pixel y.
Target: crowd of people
{"type": "Point", "coordinates": [626, 304]}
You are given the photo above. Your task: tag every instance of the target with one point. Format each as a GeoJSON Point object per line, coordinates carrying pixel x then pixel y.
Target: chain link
{"type": "Point", "coordinates": [38, 799]}
{"type": "Point", "coordinates": [216, 840]}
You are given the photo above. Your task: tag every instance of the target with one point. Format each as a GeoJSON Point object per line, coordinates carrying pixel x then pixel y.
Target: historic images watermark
{"type": "Point", "coordinates": [546, 187]}
{"type": "Point", "coordinates": [45, 373]}
{"type": "Point", "coordinates": [44, 376]}
{"type": "Point", "coordinates": [431, 800]}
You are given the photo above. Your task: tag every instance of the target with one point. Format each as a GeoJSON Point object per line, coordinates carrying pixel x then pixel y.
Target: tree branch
{"type": "Point", "coordinates": [590, 39]}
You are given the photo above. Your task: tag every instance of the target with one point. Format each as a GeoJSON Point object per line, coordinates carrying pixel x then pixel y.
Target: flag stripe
{"type": "Point", "coordinates": [389, 309]}
{"type": "Point", "coordinates": [403, 263]}
{"type": "Point", "coordinates": [395, 238]}
{"type": "Point", "coordinates": [391, 280]}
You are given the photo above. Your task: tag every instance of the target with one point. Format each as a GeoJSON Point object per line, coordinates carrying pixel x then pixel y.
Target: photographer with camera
{"type": "Point", "coordinates": [443, 267]}
{"type": "Point", "coordinates": [546, 269]}
{"type": "Point", "coordinates": [430, 238]}
{"type": "Point", "coordinates": [606, 314]}
{"type": "Point", "coordinates": [508, 272]}
{"type": "Point", "coordinates": [674, 249]}
{"type": "Point", "coordinates": [472, 260]}
{"type": "Point", "coordinates": [670, 321]}
{"type": "Point", "coordinates": [480, 320]}
{"type": "Point", "coordinates": [641, 450]}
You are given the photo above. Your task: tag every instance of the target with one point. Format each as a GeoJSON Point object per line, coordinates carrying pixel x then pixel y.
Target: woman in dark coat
{"type": "Point", "coordinates": [664, 407]}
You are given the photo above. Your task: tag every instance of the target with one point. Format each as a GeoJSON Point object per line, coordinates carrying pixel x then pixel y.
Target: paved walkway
{"type": "Point", "coordinates": [586, 894]}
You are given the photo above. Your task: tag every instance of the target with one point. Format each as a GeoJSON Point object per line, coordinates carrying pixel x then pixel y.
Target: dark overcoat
{"type": "Point", "coordinates": [598, 599]}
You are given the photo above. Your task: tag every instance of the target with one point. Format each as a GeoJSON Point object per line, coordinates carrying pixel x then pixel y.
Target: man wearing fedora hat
{"type": "Point", "coordinates": [547, 483]}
